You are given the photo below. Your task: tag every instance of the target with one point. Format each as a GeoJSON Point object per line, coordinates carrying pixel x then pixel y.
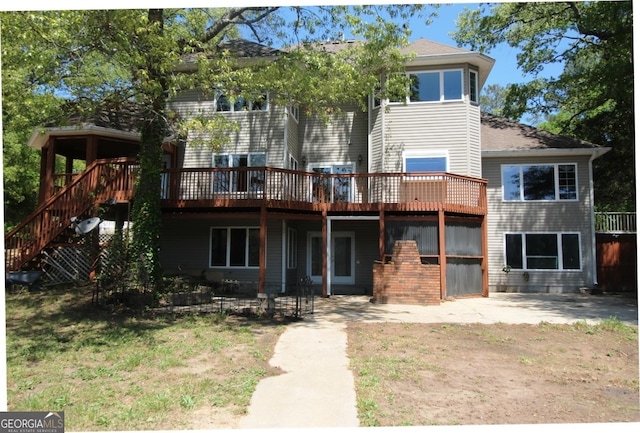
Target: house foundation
{"type": "Point", "coordinates": [405, 280]}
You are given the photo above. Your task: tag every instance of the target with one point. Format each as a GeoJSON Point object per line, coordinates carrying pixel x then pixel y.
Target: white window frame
{"type": "Point", "coordinates": [556, 172]}
{"type": "Point", "coordinates": [294, 111]}
{"type": "Point", "coordinates": [474, 92]}
{"type": "Point", "coordinates": [220, 93]}
{"type": "Point", "coordinates": [559, 257]}
{"type": "Point", "coordinates": [440, 73]}
{"type": "Point", "coordinates": [409, 154]}
{"type": "Point", "coordinates": [228, 265]}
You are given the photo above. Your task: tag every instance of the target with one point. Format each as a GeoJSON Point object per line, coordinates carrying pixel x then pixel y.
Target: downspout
{"type": "Point", "coordinates": [284, 240]}
{"type": "Point", "coordinates": [285, 149]}
{"type": "Point", "coordinates": [285, 233]}
{"type": "Point", "coordinates": [594, 262]}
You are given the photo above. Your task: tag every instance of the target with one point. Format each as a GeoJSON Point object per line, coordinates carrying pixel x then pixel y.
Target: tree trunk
{"type": "Point", "coordinates": [146, 212]}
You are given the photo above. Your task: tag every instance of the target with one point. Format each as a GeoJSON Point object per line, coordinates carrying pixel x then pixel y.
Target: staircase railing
{"type": "Point", "coordinates": [51, 218]}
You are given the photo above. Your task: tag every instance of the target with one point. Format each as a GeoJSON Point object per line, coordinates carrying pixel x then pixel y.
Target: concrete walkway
{"type": "Point", "coordinates": [317, 387]}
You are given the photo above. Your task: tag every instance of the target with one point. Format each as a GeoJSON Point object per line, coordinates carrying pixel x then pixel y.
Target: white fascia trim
{"type": "Point", "coordinates": [40, 136]}
{"type": "Point", "coordinates": [595, 153]}
{"type": "Point", "coordinates": [482, 61]}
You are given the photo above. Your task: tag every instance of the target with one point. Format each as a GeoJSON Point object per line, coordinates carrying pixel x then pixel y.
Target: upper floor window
{"type": "Point", "coordinates": [425, 162]}
{"type": "Point", "coordinates": [240, 103]}
{"type": "Point", "coordinates": [473, 87]}
{"type": "Point", "coordinates": [433, 86]}
{"type": "Point", "coordinates": [544, 182]}
{"type": "Point", "coordinates": [295, 112]}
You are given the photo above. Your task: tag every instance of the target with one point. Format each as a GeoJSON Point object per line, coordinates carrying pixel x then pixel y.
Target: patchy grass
{"type": "Point", "coordinates": [111, 371]}
{"type": "Point", "coordinates": [445, 374]}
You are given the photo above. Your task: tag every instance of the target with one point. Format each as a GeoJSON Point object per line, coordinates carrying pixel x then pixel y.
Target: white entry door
{"type": "Point", "coordinates": [342, 259]}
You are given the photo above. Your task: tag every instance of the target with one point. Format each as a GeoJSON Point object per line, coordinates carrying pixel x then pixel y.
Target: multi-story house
{"type": "Point", "coordinates": [491, 204]}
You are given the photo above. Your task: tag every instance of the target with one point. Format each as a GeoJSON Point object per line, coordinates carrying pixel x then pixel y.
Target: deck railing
{"type": "Point", "coordinates": [114, 179]}
{"type": "Point", "coordinates": [197, 187]}
{"type": "Point", "coordinates": [615, 222]}
{"type": "Point", "coordinates": [103, 179]}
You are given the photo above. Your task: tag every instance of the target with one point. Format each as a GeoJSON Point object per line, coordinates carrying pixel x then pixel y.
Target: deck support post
{"type": "Point", "coordinates": [324, 253]}
{"type": "Point", "coordinates": [92, 149]}
{"type": "Point", "coordinates": [485, 255]}
{"type": "Point", "coordinates": [50, 169]}
{"type": "Point", "coordinates": [442, 254]}
{"type": "Point", "coordinates": [381, 231]}
{"type": "Point", "coordinates": [263, 249]}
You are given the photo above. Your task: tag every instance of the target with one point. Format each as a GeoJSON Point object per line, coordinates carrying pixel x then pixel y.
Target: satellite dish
{"type": "Point", "coordinates": [85, 227]}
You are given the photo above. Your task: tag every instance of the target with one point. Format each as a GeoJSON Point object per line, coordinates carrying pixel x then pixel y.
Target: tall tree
{"type": "Point", "coordinates": [94, 57]}
{"type": "Point", "coordinates": [492, 99]}
{"type": "Point", "coordinates": [592, 99]}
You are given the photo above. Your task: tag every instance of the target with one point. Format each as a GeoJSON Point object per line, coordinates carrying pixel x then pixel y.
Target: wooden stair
{"type": "Point", "coordinates": [102, 180]}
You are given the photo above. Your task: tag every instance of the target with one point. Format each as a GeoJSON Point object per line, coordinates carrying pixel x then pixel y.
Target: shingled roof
{"type": "Point", "coordinates": [123, 116]}
{"type": "Point", "coordinates": [499, 134]}
{"type": "Point", "coordinates": [424, 47]}
{"type": "Point", "coordinates": [241, 48]}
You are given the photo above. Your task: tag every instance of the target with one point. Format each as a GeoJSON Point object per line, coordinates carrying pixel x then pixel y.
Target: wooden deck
{"type": "Point", "coordinates": [315, 192]}
{"type": "Point", "coordinates": [246, 187]}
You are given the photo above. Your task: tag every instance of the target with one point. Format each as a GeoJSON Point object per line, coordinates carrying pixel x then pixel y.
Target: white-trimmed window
{"type": "Point", "coordinates": [539, 182]}
{"type": "Point", "coordinates": [234, 247]}
{"type": "Point", "coordinates": [292, 248]}
{"type": "Point", "coordinates": [224, 103]}
{"type": "Point", "coordinates": [543, 251]}
{"type": "Point", "coordinates": [473, 87]}
{"type": "Point", "coordinates": [293, 163]}
{"type": "Point", "coordinates": [425, 162]}
{"type": "Point", "coordinates": [295, 112]}
{"type": "Point", "coordinates": [436, 86]}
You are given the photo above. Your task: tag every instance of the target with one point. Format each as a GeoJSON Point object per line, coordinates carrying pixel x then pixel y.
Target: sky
{"type": "Point", "coordinates": [504, 72]}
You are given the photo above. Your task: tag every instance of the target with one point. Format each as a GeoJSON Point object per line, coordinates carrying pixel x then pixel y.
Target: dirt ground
{"type": "Point", "coordinates": [440, 374]}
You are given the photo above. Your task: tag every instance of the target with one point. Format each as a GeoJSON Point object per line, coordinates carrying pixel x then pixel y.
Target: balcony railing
{"type": "Point", "coordinates": [615, 222]}
{"type": "Point", "coordinates": [273, 187]}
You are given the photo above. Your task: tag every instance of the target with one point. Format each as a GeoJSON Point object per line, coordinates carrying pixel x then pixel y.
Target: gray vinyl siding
{"type": "Point", "coordinates": [451, 127]}
{"type": "Point", "coordinates": [258, 131]}
{"type": "Point", "coordinates": [340, 141]}
{"type": "Point", "coordinates": [377, 144]}
{"type": "Point", "coordinates": [185, 244]}
{"type": "Point", "coordinates": [293, 142]}
{"type": "Point", "coordinates": [555, 217]}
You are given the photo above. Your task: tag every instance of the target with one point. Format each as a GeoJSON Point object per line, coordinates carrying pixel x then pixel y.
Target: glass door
{"type": "Point", "coordinates": [332, 190]}
{"type": "Point", "coordinates": [342, 257]}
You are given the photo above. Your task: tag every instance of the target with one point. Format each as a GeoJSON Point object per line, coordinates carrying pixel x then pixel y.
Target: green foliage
{"type": "Point", "coordinates": [60, 62]}
{"type": "Point", "coordinates": [592, 98]}
{"type": "Point", "coordinates": [492, 99]}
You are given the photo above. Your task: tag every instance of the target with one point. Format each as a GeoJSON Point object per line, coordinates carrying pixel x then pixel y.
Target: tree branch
{"type": "Point", "coordinates": [235, 16]}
